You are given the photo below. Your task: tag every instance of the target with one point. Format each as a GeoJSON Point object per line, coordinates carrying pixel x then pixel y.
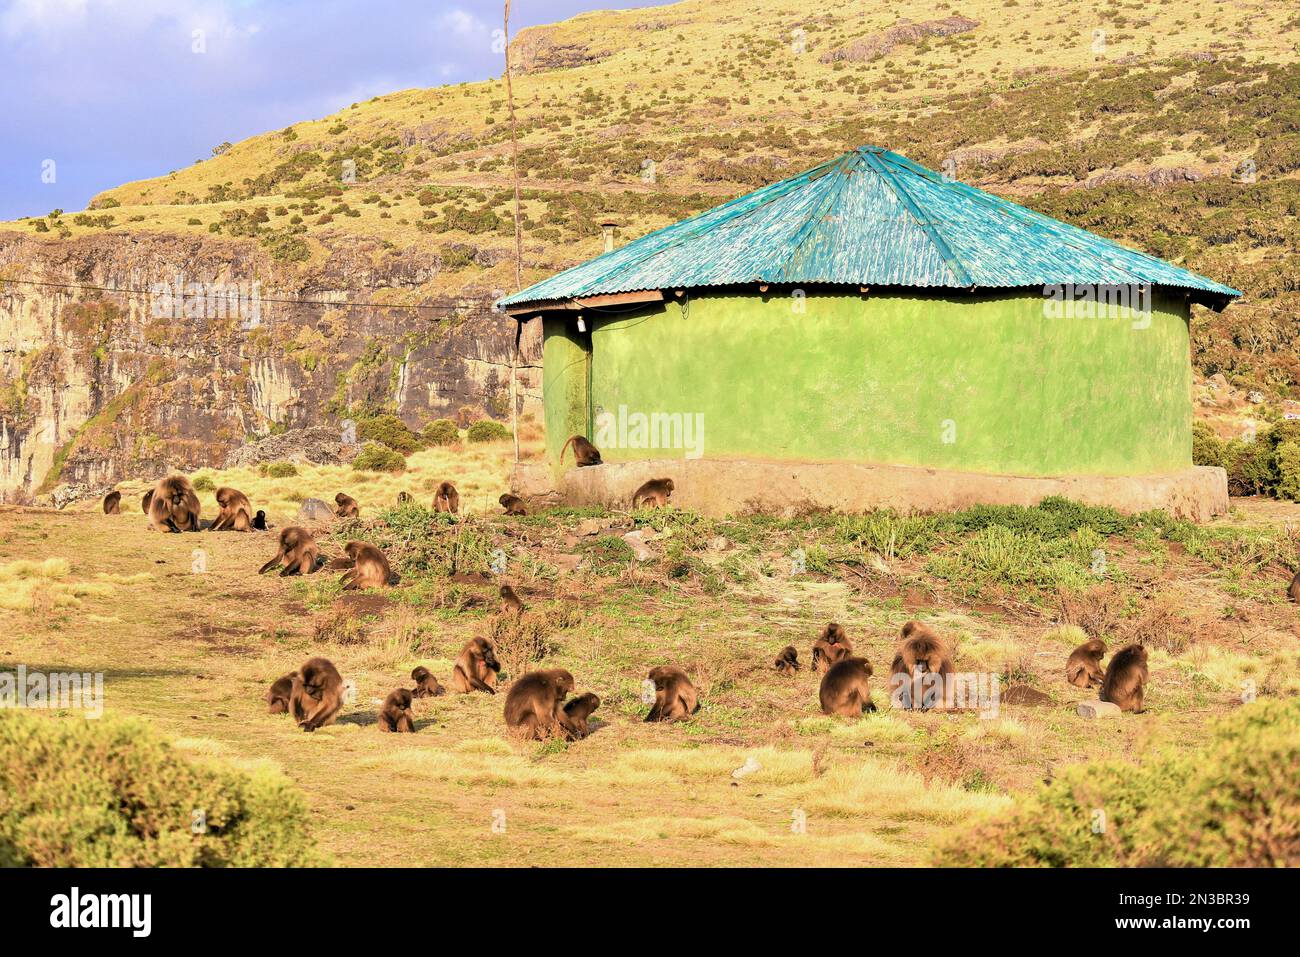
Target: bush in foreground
{"type": "Point", "coordinates": [110, 793]}
{"type": "Point", "coordinates": [1234, 802]}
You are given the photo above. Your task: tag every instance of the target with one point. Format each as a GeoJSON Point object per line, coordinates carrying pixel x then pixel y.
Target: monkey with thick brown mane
{"type": "Point", "coordinates": [446, 499]}
{"type": "Point", "coordinates": [395, 713]}
{"type": "Point", "coordinates": [367, 567]}
{"type": "Point", "coordinates": [535, 704]}
{"type": "Point", "coordinates": [1083, 669]}
{"type": "Point", "coordinates": [346, 506]}
{"type": "Point", "coordinates": [832, 645]}
{"type": "Point", "coordinates": [476, 669]}
{"type": "Point", "coordinates": [653, 494]}
{"type": "Point", "coordinates": [921, 654]}
{"type": "Point", "coordinates": [426, 685]}
{"type": "Point", "coordinates": [174, 506]}
{"type": "Point", "coordinates": [675, 696]}
{"type": "Point", "coordinates": [583, 451]}
{"type": "Point", "coordinates": [317, 695]}
{"type": "Point", "coordinates": [298, 553]}
{"type": "Point", "coordinates": [1126, 679]}
{"type": "Point", "coordinates": [513, 504]}
{"type": "Point", "coordinates": [845, 688]}
{"type": "Point", "coordinates": [113, 503]}
{"type": "Point", "coordinates": [236, 512]}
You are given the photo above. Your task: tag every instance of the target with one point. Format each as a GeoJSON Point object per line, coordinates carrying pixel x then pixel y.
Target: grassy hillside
{"type": "Point", "coordinates": [1012, 589]}
{"type": "Point", "coordinates": [1143, 131]}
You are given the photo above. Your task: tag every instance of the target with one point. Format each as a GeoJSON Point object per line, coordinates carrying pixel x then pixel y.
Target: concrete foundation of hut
{"type": "Point", "coordinates": [721, 487]}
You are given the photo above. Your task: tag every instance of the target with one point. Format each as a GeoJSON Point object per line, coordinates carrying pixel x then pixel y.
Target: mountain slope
{"type": "Point", "coordinates": [1173, 128]}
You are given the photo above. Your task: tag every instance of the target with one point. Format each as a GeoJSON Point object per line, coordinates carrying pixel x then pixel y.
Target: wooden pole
{"type": "Point", "coordinates": [519, 240]}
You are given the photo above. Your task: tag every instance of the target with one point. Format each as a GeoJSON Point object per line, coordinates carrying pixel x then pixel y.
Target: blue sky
{"type": "Point", "coordinates": [114, 90]}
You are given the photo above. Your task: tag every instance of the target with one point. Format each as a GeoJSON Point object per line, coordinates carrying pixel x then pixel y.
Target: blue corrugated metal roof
{"type": "Point", "coordinates": [873, 218]}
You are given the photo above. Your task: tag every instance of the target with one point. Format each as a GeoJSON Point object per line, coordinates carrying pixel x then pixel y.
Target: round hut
{"type": "Point", "coordinates": [871, 333]}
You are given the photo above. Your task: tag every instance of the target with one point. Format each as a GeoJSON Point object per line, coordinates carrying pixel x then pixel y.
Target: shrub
{"type": "Point", "coordinates": [391, 431]}
{"type": "Point", "coordinates": [204, 483]}
{"type": "Point", "coordinates": [281, 470]}
{"type": "Point", "coordinates": [379, 458]}
{"type": "Point", "coordinates": [1233, 802]}
{"type": "Point", "coordinates": [1288, 467]}
{"type": "Point", "coordinates": [487, 430]}
{"type": "Point", "coordinates": [110, 793]}
{"type": "Point", "coordinates": [441, 432]}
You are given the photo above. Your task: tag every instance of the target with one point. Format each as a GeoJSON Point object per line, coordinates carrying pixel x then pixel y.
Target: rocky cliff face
{"type": "Point", "coordinates": [127, 355]}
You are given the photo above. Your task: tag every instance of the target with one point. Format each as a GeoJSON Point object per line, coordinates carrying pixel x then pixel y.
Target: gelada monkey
{"type": "Point", "coordinates": [845, 688]}
{"type": "Point", "coordinates": [576, 713]}
{"type": "Point", "coordinates": [832, 645]}
{"type": "Point", "coordinates": [513, 504]}
{"type": "Point", "coordinates": [235, 511]}
{"type": "Point", "coordinates": [583, 451]}
{"type": "Point", "coordinates": [1083, 669]}
{"type": "Point", "coordinates": [317, 694]}
{"type": "Point", "coordinates": [346, 506]}
{"type": "Point", "coordinates": [921, 655]}
{"type": "Point", "coordinates": [675, 696]}
{"type": "Point", "coordinates": [367, 567]}
{"type": "Point", "coordinates": [535, 704]}
{"type": "Point", "coordinates": [298, 553]}
{"type": "Point", "coordinates": [426, 685]}
{"type": "Point", "coordinates": [476, 668]}
{"type": "Point", "coordinates": [395, 713]}
{"type": "Point", "coordinates": [787, 662]}
{"type": "Point", "coordinates": [174, 506]}
{"type": "Point", "coordinates": [113, 503]}
{"type": "Point", "coordinates": [653, 494]}
{"type": "Point", "coordinates": [1125, 683]}
{"type": "Point", "coordinates": [446, 499]}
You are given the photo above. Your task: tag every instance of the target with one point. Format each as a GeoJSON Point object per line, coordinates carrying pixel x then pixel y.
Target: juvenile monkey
{"type": "Point", "coordinates": [535, 704]}
{"type": "Point", "coordinates": [317, 694]}
{"type": "Point", "coordinates": [1294, 591]}
{"type": "Point", "coordinates": [259, 520]}
{"type": "Point", "coordinates": [513, 504]}
{"type": "Point", "coordinates": [446, 499]}
{"type": "Point", "coordinates": [476, 668]}
{"type": "Point", "coordinates": [787, 662]}
{"type": "Point", "coordinates": [395, 713]}
{"type": "Point", "coordinates": [576, 713]}
{"type": "Point", "coordinates": [675, 696]}
{"type": "Point", "coordinates": [298, 553]}
{"type": "Point", "coordinates": [583, 451]}
{"type": "Point", "coordinates": [845, 688]}
{"type": "Point", "coordinates": [277, 699]}
{"type": "Point", "coordinates": [174, 506]}
{"type": "Point", "coordinates": [1126, 679]}
{"type": "Point", "coordinates": [426, 685]}
{"type": "Point", "coordinates": [236, 512]}
{"type": "Point", "coordinates": [1083, 669]}
{"type": "Point", "coordinates": [404, 498]}
{"type": "Point", "coordinates": [831, 646]}
{"type": "Point", "coordinates": [510, 603]}
{"type": "Point", "coordinates": [346, 506]}
{"type": "Point", "coordinates": [113, 503]}
{"type": "Point", "coordinates": [921, 654]}
{"type": "Point", "coordinates": [145, 500]}
{"type": "Point", "coordinates": [367, 567]}
{"type": "Point", "coordinates": [653, 494]}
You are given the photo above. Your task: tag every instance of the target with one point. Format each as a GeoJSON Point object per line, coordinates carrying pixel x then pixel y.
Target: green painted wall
{"type": "Point", "coordinates": [564, 383]}
{"type": "Point", "coordinates": [982, 383]}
